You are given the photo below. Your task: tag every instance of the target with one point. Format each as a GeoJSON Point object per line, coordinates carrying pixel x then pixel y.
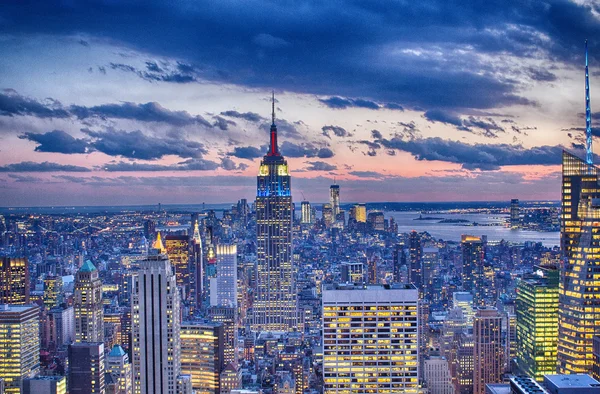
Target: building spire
{"type": "Point", "coordinates": [588, 113]}
{"type": "Point", "coordinates": [273, 97]}
{"type": "Point", "coordinates": [273, 151]}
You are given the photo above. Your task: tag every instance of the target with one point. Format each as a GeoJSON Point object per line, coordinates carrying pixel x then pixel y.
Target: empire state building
{"type": "Point", "coordinates": [275, 300]}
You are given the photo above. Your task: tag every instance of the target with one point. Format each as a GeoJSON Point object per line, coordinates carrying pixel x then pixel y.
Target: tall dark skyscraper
{"type": "Point", "coordinates": [14, 280]}
{"type": "Point", "coordinates": [415, 251]}
{"type": "Point", "coordinates": [579, 294]}
{"type": "Point", "coordinates": [275, 300]}
{"type": "Point", "coordinates": [472, 270]}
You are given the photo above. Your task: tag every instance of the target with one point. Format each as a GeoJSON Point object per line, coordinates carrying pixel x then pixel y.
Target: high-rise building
{"type": "Point", "coordinates": [231, 378]}
{"type": "Point", "coordinates": [327, 212]}
{"type": "Point", "coordinates": [488, 353]}
{"type": "Point", "coordinates": [117, 365]}
{"type": "Point", "coordinates": [537, 323]}
{"type": "Point", "coordinates": [225, 293]}
{"type": "Point", "coordinates": [596, 356]}
{"type": "Point", "coordinates": [88, 307]}
{"type": "Point", "coordinates": [430, 271]}
{"type": "Point", "coordinates": [334, 200]}
{"type": "Point", "coordinates": [436, 374]}
{"type": "Point", "coordinates": [376, 221]}
{"type": "Point", "coordinates": [45, 385]}
{"type": "Point", "coordinates": [399, 262]}
{"type": "Point", "coordinates": [472, 267]}
{"type": "Point", "coordinates": [275, 299]}
{"type": "Point", "coordinates": [62, 325]}
{"type": "Point", "coordinates": [415, 252]}
{"type": "Point", "coordinates": [86, 368]}
{"type": "Point", "coordinates": [227, 316]}
{"type": "Point", "coordinates": [14, 280]}
{"type": "Point", "coordinates": [306, 217]}
{"type": "Point", "coordinates": [52, 290]}
{"type": "Point", "coordinates": [579, 287]}
{"type": "Point", "coordinates": [155, 325]}
{"type": "Point", "coordinates": [197, 265]}
{"type": "Point", "coordinates": [370, 339]}
{"type": "Point", "coordinates": [515, 215]}
{"type": "Point", "coordinates": [464, 301]}
{"type": "Point", "coordinates": [178, 251]}
{"type": "Point", "coordinates": [19, 345]}
{"type": "Point", "coordinates": [202, 346]}
{"type": "Point", "coordinates": [353, 272]}
{"type": "Point", "coordinates": [360, 213]}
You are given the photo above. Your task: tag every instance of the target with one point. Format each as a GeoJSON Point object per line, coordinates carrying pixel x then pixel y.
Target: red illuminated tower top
{"type": "Point", "coordinates": [273, 150]}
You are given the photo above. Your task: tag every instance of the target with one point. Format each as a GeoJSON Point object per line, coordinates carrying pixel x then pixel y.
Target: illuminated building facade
{"type": "Point", "coordinates": [19, 345]}
{"type": "Point", "coordinates": [155, 326]}
{"type": "Point", "coordinates": [473, 269]}
{"type": "Point", "coordinates": [436, 373]}
{"type": "Point", "coordinates": [334, 200]}
{"type": "Point", "coordinates": [376, 221]}
{"type": "Point", "coordinates": [579, 285]}
{"type": "Point", "coordinates": [275, 299]}
{"type": "Point", "coordinates": [52, 291]}
{"type": "Point", "coordinates": [360, 213]}
{"type": "Point", "coordinates": [352, 272]}
{"type": "Point", "coordinates": [14, 280]}
{"type": "Point", "coordinates": [370, 339]}
{"type": "Point", "coordinates": [537, 323]}
{"type": "Point", "coordinates": [88, 307]}
{"type": "Point", "coordinates": [117, 364]}
{"type": "Point", "coordinates": [488, 352]}
{"type": "Point", "coordinates": [226, 291]}
{"type": "Point", "coordinates": [306, 217]}
{"type": "Point", "coordinates": [327, 212]}
{"type": "Point", "coordinates": [415, 253]}
{"type": "Point", "coordinates": [227, 316]}
{"type": "Point", "coordinates": [464, 301]}
{"type": "Point", "coordinates": [515, 214]}
{"type": "Point", "coordinates": [179, 255]}
{"type": "Point", "coordinates": [202, 355]}
{"type": "Point", "coordinates": [45, 385]}
{"type": "Point", "coordinates": [86, 368]}
{"type": "Point", "coordinates": [197, 265]}
{"type": "Point", "coordinates": [430, 271]}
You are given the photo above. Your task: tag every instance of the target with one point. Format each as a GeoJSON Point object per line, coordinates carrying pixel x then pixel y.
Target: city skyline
{"type": "Point", "coordinates": [95, 115]}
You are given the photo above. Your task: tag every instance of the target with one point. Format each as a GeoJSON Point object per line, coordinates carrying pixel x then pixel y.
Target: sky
{"type": "Point", "coordinates": [120, 102]}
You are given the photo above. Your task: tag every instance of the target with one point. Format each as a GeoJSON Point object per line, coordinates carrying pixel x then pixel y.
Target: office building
{"type": "Point", "coordinates": [327, 212]}
{"type": "Point", "coordinates": [275, 299]}
{"type": "Point", "coordinates": [596, 356]}
{"type": "Point", "coordinates": [14, 280]}
{"type": "Point", "coordinates": [571, 384]}
{"type": "Point", "coordinates": [472, 268]}
{"type": "Point", "coordinates": [360, 213]}
{"type": "Point", "coordinates": [155, 325]}
{"type": "Point", "coordinates": [197, 266]}
{"type": "Point", "coordinates": [525, 385]}
{"type": "Point", "coordinates": [228, 317]}
{"type": "Point", "coordinates": [231, 379]}
{"type": "Point", "coordinates": [352, 272]}
{"type": "Point", "coordinates": [334, 200]}
{"type": "Point", "coordinates": [537, 323]}
{"type": "Point", "coordinates": [415, 254]}
{"type": "Point", "coordinates": [515, 214]}
{"type": "Point", "coordinates": [62, 326]}
{"type": "Point", "coordinates": [430, 271]}
{"type": "Point", "coordinates": [53, 291]}
{"type": "Point", "coordinates": [488, 353]}
{"type": "Point", "coordinates": [436, 374]}
{"type": "Point", "coordinates": [226, 280]}
{"type": "Point", "coordinates": [376, 221]}
{"type": "Point", "coordinates": [370, 339]}
{"type": "Point", "coordinates": [464, 301]}
{"type": "Point", "coordinates": [178, 251]}
{"type": "Point", "coordinates": [45, 385]}
{"type": "Point", "coordinates": [306, 213]}
{"type": "Point", "coordinates": [119, 367]}
{"type": "Point", "coordinates": [202, 345]}
{"type": "Point", "coordinates": [87, 300]}
{"type": "Point", "coordinates": [86, 368]}
{"type": "Point", "coordinates": [19, 345]}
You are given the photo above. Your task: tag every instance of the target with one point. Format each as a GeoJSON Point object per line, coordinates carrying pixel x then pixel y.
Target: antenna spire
{"type": "Point", "coordinates": [273, 101]}
{"type": "Point", "coordinates": [588, 113]}
{"type": "Point", "coordinates": [274, 150]}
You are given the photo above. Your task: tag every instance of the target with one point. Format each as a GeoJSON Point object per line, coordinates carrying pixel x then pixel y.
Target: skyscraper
{"type": "Point", "coordinates": [19, 345]}
{"type": "Point", "coordinates": [370, 339]}
{"type": "Point", "coordinates": [156, 324]}
{"type": "Point", "coordinates": [515, 215]}
{"type": "Point", "coordinates": [52, 290]}
{"type": "Point", "coordinates": [86, 368]}
{"type": "Point", "coordinates": [306, 217]}
{"type": "Point", "coordinates": [430, 270]}
{"type": "Point", "coordinates": [117, 364]}
{"type": "Point", "coordinates": [197, 265]}
{"type": "Point", "coordinates": [45, 385]}
{"type": "Point", "coordinates": [87, 296]}
{"type": "Point", "coordinates": [179, 255]}
{"type": "Point", "coordinates": [226, 280]}
{"type": "Point", "coordinates": [14, 280]}
{"type": "Point", "coordinates": [334, 200]}
{"type": "Point", "coordinates": [488, 353]}
{"type": "Point", "coordinates": [579, 286]}
{"type": "Point", "coordinates": [275, 299]}
{"type": "Point", "coordinates": [537, 323]}
{"type": "Point", "coordinates": [415, 250]}
{"type": "Point", "coordinates": [202, 354]}
{"type": "Point", "coordinates": [472, 267]}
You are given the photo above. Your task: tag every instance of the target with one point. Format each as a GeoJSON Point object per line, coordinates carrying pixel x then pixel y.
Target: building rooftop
{"type": "Point", "coordinates": [571, 381]}
{"type": "Point", "coordinates": [88, 266]}
{"type": "Point", "coordinates": [360, 286]}
{"type": "Point", "coordinates": [116, 351]}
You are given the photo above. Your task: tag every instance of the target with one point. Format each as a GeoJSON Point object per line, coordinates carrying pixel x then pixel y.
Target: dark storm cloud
{"type": "Point", "coordinates": [188, 165]}
{"type": "Point", "coordinates": [222, 123]}
{"type": "Point", "coordinates": [153, 73]}
{"type": "Point", "coordinates": [438, 115]}
{"type": "Point", "coordinates": [29, 166]}
{"type": "Point", "coordinates": [343, 103]}
{"type": "Point", "coordinates": [480, 156]}
{"type": "Point", "coordinates": [12, 103]}
{"type": "Point", "coordinates": [57, 141]}
{"type": "Point", "coordinates": [539, 74]}
{"type": "Point", "coordinates": [137, 145]}
{"type": "Point", "coordinates": [291, 149]}
{"type": "Point", "coordinates": [320, 166]}
{"type": "Point", "coordinates": [336, 130]}
{"type": "Point", "coordinates": [148, 112]}
{"type": "Point", "coordinates": [249, 116]}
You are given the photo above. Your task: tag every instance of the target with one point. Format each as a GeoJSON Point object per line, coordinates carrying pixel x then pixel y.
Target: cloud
{"type": "Point", "coordinates": [188, 165]}
{"type": "Point", "coordinates": [367, 174]}
{"type": "Point", "coordinates": [249, 116]}
{"type": "Point", "coordinates": [137, 145]}
{"type": "Point", "coordinates": [222, 123]}
{"type": "Point", "coordinates": [376, 134]}
{"type": "Point", "coordinates": [148, 112]}
{"type": "Point", "coordinates": [46, 166]}
{"type": "Point", "coordinates": [247, 152]}
{"type": "Point", "coordinates": [539, 74]}
{"type": "Point", "coordinates": [442, 116]}
{"type": "Point", "coordinates": [12, 103]}
{"type": "Point", "coordinates": [57, 141]}
{"type": "Point", "coordinates": [336, 130]}
{"type": "Point", "coordinates": [229, 165]}
{"type": "Point", "coordinates": [153, 73]}
{"type": "Point", "coordinates": [306, 149]}
{"type": "Point", "coordinates": [320, 166]}
{"type": "Point", "coordinates": [269, 42]}
{"type": "Point", "coordinates": [343, 103]}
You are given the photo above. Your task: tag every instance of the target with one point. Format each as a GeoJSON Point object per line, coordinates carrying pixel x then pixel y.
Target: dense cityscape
{"type": "Point", "coordinates": [356, 289]}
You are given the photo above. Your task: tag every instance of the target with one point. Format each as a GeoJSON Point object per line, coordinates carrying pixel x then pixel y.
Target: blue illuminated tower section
{"type": "Point", "coordinates": [275, 302]}
{"type": "Point", "coordinates": [589, 158]}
